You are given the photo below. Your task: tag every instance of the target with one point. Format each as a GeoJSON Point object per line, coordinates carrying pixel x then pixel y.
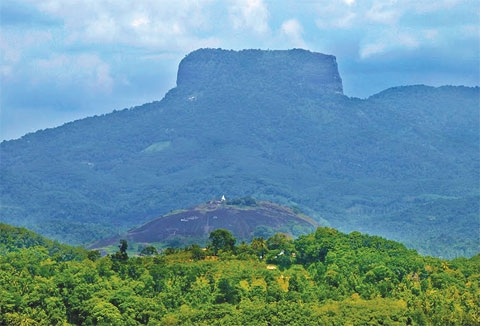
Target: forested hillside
{"type": "Point", "coordinates": [14, 239]}
{"type": "Point", "coordinates": [323, 278]}
{"type": "Point", "coordinates": [273, 125]}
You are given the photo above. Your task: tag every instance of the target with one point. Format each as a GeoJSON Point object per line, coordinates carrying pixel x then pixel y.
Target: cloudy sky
{"type": "Point", "coordinates": [62, 60]}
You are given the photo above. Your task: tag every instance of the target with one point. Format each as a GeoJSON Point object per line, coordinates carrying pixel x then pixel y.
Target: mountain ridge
{"type": "Point", "coordinates": [344, 161]}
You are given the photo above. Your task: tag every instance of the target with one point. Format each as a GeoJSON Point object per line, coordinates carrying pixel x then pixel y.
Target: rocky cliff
{"type": "Point", "coordinates": [296, 70]}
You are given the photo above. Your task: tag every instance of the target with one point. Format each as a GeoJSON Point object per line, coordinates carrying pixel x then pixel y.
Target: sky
{"type": "Point", "coordinates": [62, 60]}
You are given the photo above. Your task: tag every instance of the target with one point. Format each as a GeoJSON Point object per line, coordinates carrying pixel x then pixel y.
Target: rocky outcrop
{"type": "Point", "coordinates": [260, 219]}
{"type": "Point", "coordinates": [296, 70]}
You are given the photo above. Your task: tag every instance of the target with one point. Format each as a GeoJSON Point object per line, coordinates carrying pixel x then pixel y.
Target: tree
{"type": "Point", "coordinates": [149, 251]}
{"type": "Point", "coordinates": [227, 292]}
{"type": "Point", "coordinates": [121, 254]}
{"type": "Point", "coordinates": [93, 255]}
{"type": "Point", "coordinates": [197, 252]}
{"type": "Point", "coordinates": [259, 246]}
{"type": "Point", "coordinates": [221, 239]}
{"type": "Point", "coordinates": [279, 241]}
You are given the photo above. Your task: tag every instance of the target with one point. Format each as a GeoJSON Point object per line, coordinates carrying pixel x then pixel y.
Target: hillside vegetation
{"type": "Point", "coordinates": [322, 278]}
{"type": "Point", "coordinates": [403, 163]}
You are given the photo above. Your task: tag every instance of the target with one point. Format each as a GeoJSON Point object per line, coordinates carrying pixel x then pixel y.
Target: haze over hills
{"type": "Point", "coordinates": [273, 125]}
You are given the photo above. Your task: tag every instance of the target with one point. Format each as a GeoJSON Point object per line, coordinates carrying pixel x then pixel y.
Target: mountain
{"type": "Point", "coordinates": [245, 218]}
{"type": "Point", "coordinates": [299, 71]}
{"type": "Point", "coordinates": [273, 125]}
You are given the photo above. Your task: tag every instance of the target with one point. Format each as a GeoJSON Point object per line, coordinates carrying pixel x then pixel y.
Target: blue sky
{"type": "Point", "coordinates": [62, 60]}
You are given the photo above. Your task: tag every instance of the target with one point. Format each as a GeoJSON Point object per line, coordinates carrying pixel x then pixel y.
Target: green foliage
{"type": "Point", "coordinates": [149, 251]}
{"type": "Point", "coordinates": [357, 280]}
{"type": "Point", "coordinates": [13, 239]}
{"type": "Point", "coordinates": [121, 254]}
{"type": "Point", "coordinates": [221, 240]}
{"type": "Point", "coordinates": [245, 201]}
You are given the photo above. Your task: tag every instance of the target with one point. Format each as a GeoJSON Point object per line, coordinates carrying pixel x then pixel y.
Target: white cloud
{"type": "Point", "coordinates": [292, 30]}
{"type": "Point", "coordinates": [372, 49]}
{"type": "Point", "coordinates": [83, 71]}
{"type": "Point", "coordinates": [393, 39]}
{"type": "Point", "coordinates": [407, 40]}
{"type": "Point", "coordinates": [346, 21]}
{"type": "Point", "coordinates": [103, 80]}
{"type": "Point", "coordinates": [16, 46]}
{"type": "Point", "coordinates": [430, 34]}
{"type": "Point", "coordinates": [380, 26]}
{"type": "Point", "coordinates": [147, 24]}
{"type": "Point", "coordinates": [378, 13]}
{"type": "Point", "coordinates": [250, 15]}
{"type": "Point", "coordinates": [432, 6]}
{"type": "Point", "coordinates": [384, 13]}
{"type": "Point", "coordinates": [9, 57]}
{"type": "Point", "coordinates": [139, 22]}
{"type": "Point", "coordinates": [102, 29]}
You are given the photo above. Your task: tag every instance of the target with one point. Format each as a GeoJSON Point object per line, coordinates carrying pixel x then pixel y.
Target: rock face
{"type": "Point", "coordinates": [296, 70]}
{"type": "Point", "coordinates": [193, 225]}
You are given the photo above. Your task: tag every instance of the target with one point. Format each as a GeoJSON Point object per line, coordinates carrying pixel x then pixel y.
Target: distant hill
{"type": "Point", "coordinates": [245, 218]}
{"type": "Point", "coordinates": [273, 125]}
{"type": "Point", "coordinates": [15, 239]}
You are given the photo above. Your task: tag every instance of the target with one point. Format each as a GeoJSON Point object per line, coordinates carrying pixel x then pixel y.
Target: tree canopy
{"type": "Point", "coordinates": [331, 278]}
{"type": "Point", "coordinates": [221, 239]}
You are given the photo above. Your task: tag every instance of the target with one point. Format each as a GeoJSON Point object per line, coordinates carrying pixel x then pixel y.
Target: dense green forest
{"type": "Point", "coordinates": [273, 125]}
{"type": "Point", "coordinates": [323, 278]}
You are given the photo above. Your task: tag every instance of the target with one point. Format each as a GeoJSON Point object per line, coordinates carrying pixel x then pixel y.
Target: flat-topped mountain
{"type": "Point", "coordinates": [245, 218]}
{"type": "Point", "coordinates": [297, 70]}
{"type": "Point", "coordinates": [273, 125]}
